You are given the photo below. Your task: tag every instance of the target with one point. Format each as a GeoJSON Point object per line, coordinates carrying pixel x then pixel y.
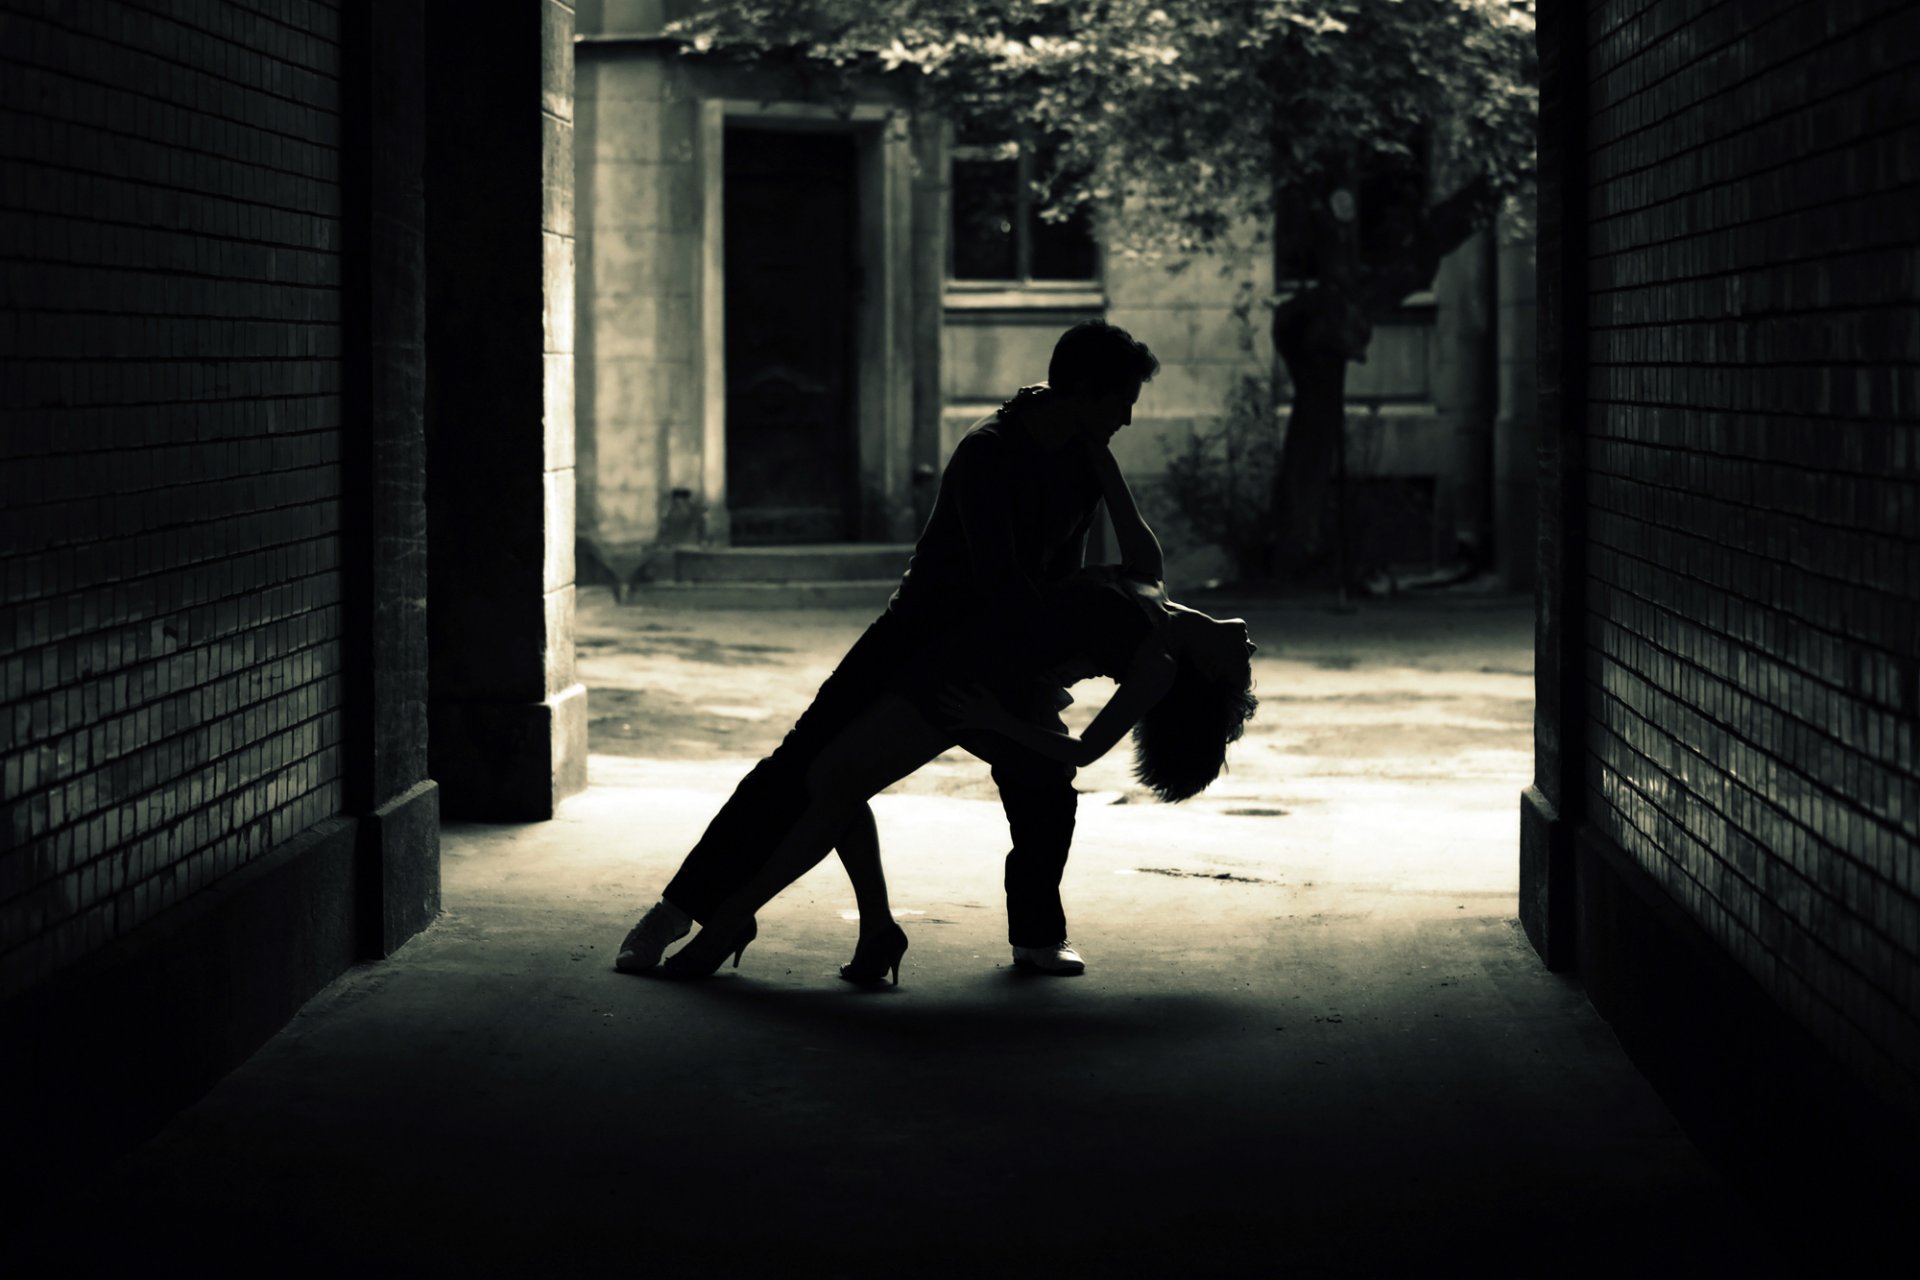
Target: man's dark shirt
{"type": "Point", "coordinates": [1010, 518]}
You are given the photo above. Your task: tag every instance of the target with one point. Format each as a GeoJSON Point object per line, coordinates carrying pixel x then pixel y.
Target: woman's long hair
{"type": "Point", "coordinates": [1180, 746]}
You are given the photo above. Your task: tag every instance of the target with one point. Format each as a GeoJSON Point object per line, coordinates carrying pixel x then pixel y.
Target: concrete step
{"type": "Point", "coordinates": [855, 593]}
{"type": "Point", "coordinates": [816, 563]}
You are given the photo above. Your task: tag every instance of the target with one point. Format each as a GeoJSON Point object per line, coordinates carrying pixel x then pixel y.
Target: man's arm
{"type": "Point", "coordinates": [1139, 549]}
{"type": "Point", "coordinates": [1072, 553]}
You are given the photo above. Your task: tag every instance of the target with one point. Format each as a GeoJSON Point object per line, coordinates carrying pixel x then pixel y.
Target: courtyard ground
{"type": "Point", "coordinates": [1311, 1039]}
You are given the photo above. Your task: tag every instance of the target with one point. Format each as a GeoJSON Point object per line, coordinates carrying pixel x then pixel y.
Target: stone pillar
{"type": "Point", "coordinates": [1550, 808]}
{"type": "Point", "coordinates": [931, 176]}
{"type": "Point", "coordinates": [384, 539]}
{"type": "Point", "coordinates": [509, 725]}
{"type": "Point", "coordinates": [1516, 424]}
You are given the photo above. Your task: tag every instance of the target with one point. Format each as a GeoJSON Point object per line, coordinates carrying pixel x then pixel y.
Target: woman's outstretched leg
{"type": "Point", "coordinates": [766, 802]}
{"type": "Point", "coordinates": [858, 844]}
{"type": "Point", "coordinates": [859, 848]}
{"type": "Point", "coordinates": [886, 743]}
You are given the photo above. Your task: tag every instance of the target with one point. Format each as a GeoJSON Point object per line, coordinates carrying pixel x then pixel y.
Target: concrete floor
{"type": "Point", "coordinates": [1311, 1039]}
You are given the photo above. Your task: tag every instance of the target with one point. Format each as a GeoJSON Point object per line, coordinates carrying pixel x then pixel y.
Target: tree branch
{"type": "Point", "coordinates": [1445, 228]}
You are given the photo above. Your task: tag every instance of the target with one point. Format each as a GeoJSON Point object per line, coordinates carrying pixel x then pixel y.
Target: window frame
{"type": "Point", "coordinates": [989, 292]}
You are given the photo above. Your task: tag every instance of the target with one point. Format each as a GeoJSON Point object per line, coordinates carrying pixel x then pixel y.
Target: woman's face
{"type": "Point", "coordinates": [1221, 649]}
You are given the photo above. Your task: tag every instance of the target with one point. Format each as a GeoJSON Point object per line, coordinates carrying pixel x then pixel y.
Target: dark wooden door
{"type": "Point", "coordinates": [789, 307]}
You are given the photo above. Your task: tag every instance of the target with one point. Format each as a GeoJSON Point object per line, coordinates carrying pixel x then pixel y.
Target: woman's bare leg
{"type": "Point", "coordinates": [889, 741]}
{"type": "Point", "coordinates": [859, 850]}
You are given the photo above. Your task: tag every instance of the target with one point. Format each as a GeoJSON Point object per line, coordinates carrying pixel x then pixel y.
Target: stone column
{"type": "Point", "coordinates": [931, 176]}
{"type": "Point", "coordinates": [1550, 808]}
{"type": "Point", "coordinates": [509, 723]}
{"type": "Point", "coordinates": [384, 541]}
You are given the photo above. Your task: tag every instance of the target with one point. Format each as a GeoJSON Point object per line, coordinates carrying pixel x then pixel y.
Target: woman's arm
{"type": "Point", "coordinates": [1147, 681]}
{"type": "Point", "coordinates": [1139, 549]}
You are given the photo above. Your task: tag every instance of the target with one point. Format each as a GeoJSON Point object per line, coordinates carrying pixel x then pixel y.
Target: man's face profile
{"type": "Point", "coordinates": [1105, 412]}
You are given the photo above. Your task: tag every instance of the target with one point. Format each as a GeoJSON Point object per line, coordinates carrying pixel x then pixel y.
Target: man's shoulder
{"type": "Point", "coordinates": [986, 439]}
{"type": "Point", "coordinates": [1000, 430]}
{"type": "Point", "coordinates": [992, 427]}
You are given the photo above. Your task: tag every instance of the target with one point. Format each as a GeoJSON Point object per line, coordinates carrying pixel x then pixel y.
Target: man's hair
{"type": "Point", "coordinates": [1180, 745]}
{"type": "Point", "coordinates": [1100, 357]}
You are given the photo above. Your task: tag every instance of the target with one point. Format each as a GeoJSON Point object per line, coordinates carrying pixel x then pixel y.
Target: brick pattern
{"type": "Point", "coordinates": [170, 420]}
{"type": "Point", "coordinates": [1754, 489]}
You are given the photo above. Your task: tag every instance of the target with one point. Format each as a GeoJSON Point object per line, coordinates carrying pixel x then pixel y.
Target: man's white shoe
{"type": "Point", "coordinates": [662, 926]}
{"type": "Point", "coordinates": [1061, 959]}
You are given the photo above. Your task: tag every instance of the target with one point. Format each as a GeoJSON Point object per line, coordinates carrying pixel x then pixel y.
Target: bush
{"type": "Point", "coordinates": [1219, 482]}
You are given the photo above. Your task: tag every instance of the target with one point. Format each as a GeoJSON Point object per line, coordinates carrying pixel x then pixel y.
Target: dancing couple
{"type": "Point", "coordinates": [994, 617]}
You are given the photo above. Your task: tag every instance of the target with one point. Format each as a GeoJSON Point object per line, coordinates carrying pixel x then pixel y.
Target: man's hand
{"type": "Point", "coordinates": [1139, 549]}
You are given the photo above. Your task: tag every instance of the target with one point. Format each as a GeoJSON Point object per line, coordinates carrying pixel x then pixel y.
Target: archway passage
{"type": "Point", "coordinates": [790, 289]}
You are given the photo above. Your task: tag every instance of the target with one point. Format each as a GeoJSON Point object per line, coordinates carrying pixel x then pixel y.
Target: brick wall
{"type": "Point", "coordinates": [1753, 490]}
{"type": "Point", "coordinates": [170, 416]}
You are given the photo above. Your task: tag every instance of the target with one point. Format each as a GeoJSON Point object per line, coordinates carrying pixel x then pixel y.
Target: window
{"type": "Point", "coordinates": [998, 233]}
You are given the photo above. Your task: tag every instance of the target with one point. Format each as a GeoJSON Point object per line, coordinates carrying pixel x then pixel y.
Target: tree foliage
{"type": "Point", "coordinates": [1199, 114]}
{"type": "Point", "coordinates": [1368, 138]}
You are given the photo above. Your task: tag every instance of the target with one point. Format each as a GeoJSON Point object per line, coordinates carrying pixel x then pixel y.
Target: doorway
{"type": "Point", "coordinates": [790, 263]}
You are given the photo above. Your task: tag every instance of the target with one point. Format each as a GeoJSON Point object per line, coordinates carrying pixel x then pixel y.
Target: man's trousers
{"type": "Point", "coordinates": [1036, 793]}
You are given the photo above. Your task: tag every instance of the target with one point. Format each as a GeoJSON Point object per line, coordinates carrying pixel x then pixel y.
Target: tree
{"type": "Point", "coordinates": [1370, 138]}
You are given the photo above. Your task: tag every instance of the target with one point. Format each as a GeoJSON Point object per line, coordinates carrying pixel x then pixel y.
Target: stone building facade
{"type": "Point", "coordinates": [684, 274]}
{"type": "Point", "coordinates": [713, 219]}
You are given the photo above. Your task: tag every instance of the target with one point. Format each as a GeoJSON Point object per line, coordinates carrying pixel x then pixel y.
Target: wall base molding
{"type": "Point", "coordinates": [1546, 880]}
{"type": "Point", "coordinates": [1823, 1158]}
{"type": "Point", "coordinates": [100, 1056]}
{"type": "Point", "coordinates": [510, 761]}
{"type": "Point", "coordinates": [400, 870]}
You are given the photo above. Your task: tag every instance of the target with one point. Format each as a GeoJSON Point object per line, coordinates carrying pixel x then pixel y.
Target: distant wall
{"type": "Point", "coordinates": [1186, 317]}
{"type": "Point", "coordinates": [650, 265]}
{"type": "Point", "coordinates": [1398, 430]}
{"type": "Point", "coordinates": [638, 212]}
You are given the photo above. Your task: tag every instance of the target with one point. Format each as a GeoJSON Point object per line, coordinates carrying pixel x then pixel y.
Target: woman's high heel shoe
{"type": "Point", "coordinates": [874, 957]}
{"type": "Point", "coordinates": [690, 961]}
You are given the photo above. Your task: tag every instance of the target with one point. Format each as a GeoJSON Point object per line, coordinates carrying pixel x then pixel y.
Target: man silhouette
{"type": "Point", "coordinates": [1015, 505]}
